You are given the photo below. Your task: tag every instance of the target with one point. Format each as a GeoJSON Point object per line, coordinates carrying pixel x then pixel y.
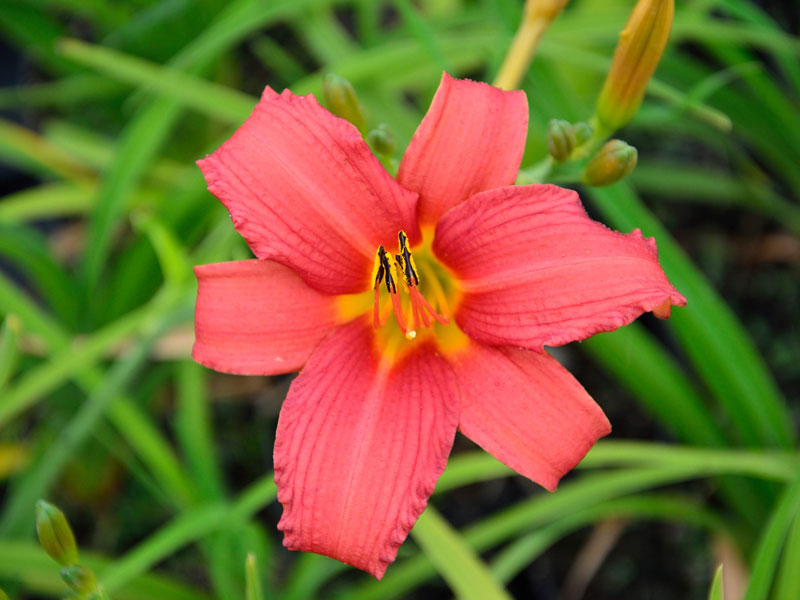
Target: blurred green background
{"type": "Point", "coordinates": [163, 467]}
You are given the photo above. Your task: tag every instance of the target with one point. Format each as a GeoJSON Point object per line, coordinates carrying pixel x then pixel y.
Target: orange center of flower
{"type": "Point", "coordinates": [417, 290]}
{"type": "Point", "coordinates": [400, 277]}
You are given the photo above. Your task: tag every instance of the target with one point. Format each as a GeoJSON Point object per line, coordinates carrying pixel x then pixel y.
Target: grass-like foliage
{"type": "Point", "coordinates": [163, 467]}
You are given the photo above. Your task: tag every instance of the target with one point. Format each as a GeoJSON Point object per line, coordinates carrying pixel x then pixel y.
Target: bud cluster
{"type": "Point", "coordinates": [341, 99]}
{"type": "Point", "coordinates": [564, 137]}
{"type": "Point", "coordinates": [638, 52]}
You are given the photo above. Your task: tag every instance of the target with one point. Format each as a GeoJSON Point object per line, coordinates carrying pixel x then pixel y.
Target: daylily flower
{"type": "Point", "coordinates": [413, 307]}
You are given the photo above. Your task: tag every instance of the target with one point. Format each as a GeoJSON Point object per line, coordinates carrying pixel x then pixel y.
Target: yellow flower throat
{"type": "Point", "coordinates": [399, 280]}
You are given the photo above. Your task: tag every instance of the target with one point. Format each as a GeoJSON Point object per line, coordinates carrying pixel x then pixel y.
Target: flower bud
{"type": "Point", "coordinates": [80, 579]}
{"type": "Point", "coordinates": [615, 160]}
{"type": "Point", "coordinates": [55, 534]}
{"type": "Point", "coordinates": [561, 140]}
{"type": "Point", "coordinates": [638, 52]}
{"type": "Point", "coordinates": [382, 140]}
{"type": "Point", "coordinates": [341, 100]}
{"type": "Point", "coordinates": [583, 132]}
{"type": "Point", "coordinates": [3, 595]}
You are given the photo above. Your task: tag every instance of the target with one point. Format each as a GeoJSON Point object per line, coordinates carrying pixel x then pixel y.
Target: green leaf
{"type": "Point", "coordinates": [37, 479]}
{"type": "Point", "coordinates": [518, 554]}
{"type": "Point", "coordinates": [28, 150]}
{"type": "Point", "coordinates": [193, 428]}
{"type": "Point", "coordinates": [146, 132]}
{"type": "Point", "coordinates": [68, 92]}
{"type": "Point", "coordinates": [765, 558]}
{"type": "Point", "coordinates": [716, 342]}
{"type": "Point", "coordinates": [787, 584]}
{"type": "Point", "coordinates": [465, 573]}
{"type": "Point", "coordinates": [534, 513]}
{"type": "Point", "coordinates": [47, 201]}
{"type": "Point", "coordinates": [253, 583]}
{"type": "Point", "coordinates": [45, 377]}
{"type": "Point", "coordinates": [26, 562]}
{"type": "Point", "coordinates": [717, 592]}
{"type": "Point", "coordinates": [9, 347]}
{"type": "Point", "coordinates": [227, 104]}
{"type": "Point", "coordinates": [765, 464]}
{"type": "Point", "coordinates": [644, 367]}
{"type": "Point", "coordinates": [28, 251]}
{"type": "Point", "coordinates": [191, 526]}
{"type": "Point", "coordinates": [171, 255]}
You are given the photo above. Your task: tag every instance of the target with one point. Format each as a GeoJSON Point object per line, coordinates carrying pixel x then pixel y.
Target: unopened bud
{"type": "Point", "coordinates": [561, 140]}
{"type": "Point", "coordinates": [614, 161]}
{"type": "Point", "coordinates": [382, 140]}
{"type": "Point", "coordinates": [55, 534]}
{"type": "Point", "coordinates": [583, 132]}
{"type": "Point", "coordinates": [341, 100]}
{"type": "Point", "coordinates": [638, 53]}
{"type": "Point", "coordinates": [79, 579]}
{"type": "Point", "coordinates": [3, 595]}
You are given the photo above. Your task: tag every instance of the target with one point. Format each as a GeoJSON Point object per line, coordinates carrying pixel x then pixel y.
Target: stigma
{"type": "Point", "coordinates": [399, 275]}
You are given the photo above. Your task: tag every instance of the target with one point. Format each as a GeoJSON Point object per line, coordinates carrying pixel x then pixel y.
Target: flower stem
{"type": "Point", "coordinates": [520, 54]}
{"type": "Point", "coordinates": [537, 16]}
{"type": "Point", "coordinates": [536, 173]}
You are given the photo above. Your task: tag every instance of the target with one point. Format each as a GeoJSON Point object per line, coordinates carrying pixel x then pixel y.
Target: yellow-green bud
{"type": "Point", "coordinates": [561, 139]}
{"type": "Point", "coordinates": [341, 100]}
{"type": "Point", "coordinates": [638, 53]}
{"type": "Point", "coordinates": [79, 578]}
{"type": "Point", "coordinates": [614, 161]}
{"type": "Point", "coordinates": [382, 140]}
{"type": "Point", "coordinates": [583, 132]}
{"type": "Point", "coordinates": [55, 534]}
{"type": "Point", "coordinates": [3, 595]}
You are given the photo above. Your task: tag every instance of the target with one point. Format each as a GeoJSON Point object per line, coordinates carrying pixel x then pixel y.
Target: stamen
{"type": "Point", "coordinates": [417, 301]}
{"type": "Point", "coordinates": [438, 292]}
{"type": "Point", "coordinates": [405, 271]}
{"type": "Point", "coordinates": [398, 312]}
{"type": "Point", "coordinates": [398, 269]}
{"type": "Point", "coordinates": [376, 310]}
{"type": "Point", "coordinates": [442, 319]}
{"type": "Point", "coordinates": [407, 261]}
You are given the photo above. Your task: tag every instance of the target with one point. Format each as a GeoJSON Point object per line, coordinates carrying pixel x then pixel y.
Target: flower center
{"type": "Point", "coordinates": [399, 276]}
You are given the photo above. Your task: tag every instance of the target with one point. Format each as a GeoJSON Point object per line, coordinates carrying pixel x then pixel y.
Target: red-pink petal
{"type": "Point", "coordinates": [525, 409]}
{"type": "Point", "coordinates": [256, 317]}
{"type": "Point", "coordinates": [535, 269]}
{"type": "Point", "coordinates": [471, 140]}
{"type": "Point", "coordinates": [304, 189]}
{"type": "Point", "coordinates": [359, 448]}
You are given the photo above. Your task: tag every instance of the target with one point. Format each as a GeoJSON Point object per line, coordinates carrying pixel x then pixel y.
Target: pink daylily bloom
{"type": "Point", "coordinates": [484, 275]}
